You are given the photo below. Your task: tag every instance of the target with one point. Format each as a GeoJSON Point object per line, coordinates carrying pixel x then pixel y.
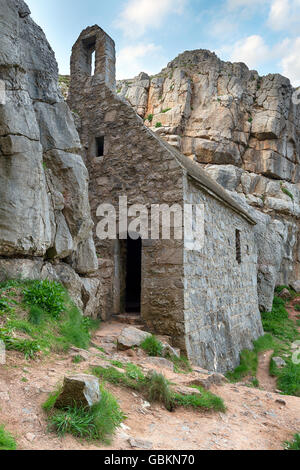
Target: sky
{"type": "Point", "coordinates": [265, 34]}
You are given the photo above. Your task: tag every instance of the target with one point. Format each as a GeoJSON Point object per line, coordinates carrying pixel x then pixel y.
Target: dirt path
{"type": "Point", "coordinates": [254, 419]}
{"type": "Point", "coordinates": [293, 313]}
{"type": "Point", "coordinates": [266, 382]}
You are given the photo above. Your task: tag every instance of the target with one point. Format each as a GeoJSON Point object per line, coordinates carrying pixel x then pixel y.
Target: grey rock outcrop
{"type": "Point", "coordinates": [131, 337]}
{"type": "Point", "coordinates": [82, 390]}
{"type": "Point", "coordinates": [244, 130]}
{"type": "Point", "coordinates": [44, 204]}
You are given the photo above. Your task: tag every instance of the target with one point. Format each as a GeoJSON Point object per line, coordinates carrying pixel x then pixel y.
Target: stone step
{"type": "Point", "coordinates": [129, 318]}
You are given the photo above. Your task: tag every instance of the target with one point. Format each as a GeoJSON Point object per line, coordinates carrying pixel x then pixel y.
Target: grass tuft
{"type": "Point", "coordinates": [294, 444]}
{"type": "Point", "coordinates": [157, 389]}
{"type": "Point", "coordinates": [96, 423]}
{"type": "Point", "coordinates": [7, 442]}
{"type": "Point", "coordinates": [152, 346]}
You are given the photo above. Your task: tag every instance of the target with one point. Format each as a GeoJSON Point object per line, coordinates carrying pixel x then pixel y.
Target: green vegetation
{"type": "Point", "coordinates": [181, 364]}
{"type": "Point", "coordinates": [158, 124]}
{"type": "Point", "coordinates": [39, 316]}
{"type": "Point", "coordinates": [207, 401]}
{"type": "Point", "coordinates": [166, 110]}
{"type": "Point", "coordinates": [64, 79]}
{"type": "Point", "coordinates": [286, 191]}
{"type": "Point", "coordinates": [7, 442]}
{"type": "Point", "coordinates": [281, 334]}
{"type": "Point", "coordinates": [249, 360]}
{"type": "Point", "coordinates": [150, 117]}
{"type": "Point", "coordinates": [48, 406]}
{"type": "Point", "coordinates": [250, 120]}
{"type": "Point", "coordinates": [96, 423]}
{"type": "Point", "coordinates": [152, 346]}
{"type": "Point", "coordinates": [156, 388]}
{"type": "Point", "coordinates": [294, 444]}
{"type": "Point", "coordinates": [115, 377]}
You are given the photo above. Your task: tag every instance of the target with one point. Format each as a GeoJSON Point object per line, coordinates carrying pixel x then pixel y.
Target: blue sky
{"type": "Point", "coordinates": [265, 34]}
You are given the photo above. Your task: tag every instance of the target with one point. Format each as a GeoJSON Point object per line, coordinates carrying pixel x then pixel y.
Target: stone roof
{"type": "Point", "coordinates": [209, 185]}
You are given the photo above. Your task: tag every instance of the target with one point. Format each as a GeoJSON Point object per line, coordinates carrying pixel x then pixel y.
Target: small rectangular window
{"type": "Point", "coordinates": [100, 146]}
{"type": "Point", "coordinates": [238, 246]}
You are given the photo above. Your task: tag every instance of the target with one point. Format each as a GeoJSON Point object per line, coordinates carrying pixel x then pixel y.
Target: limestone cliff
{"type": "Point", "coordinates": [44, 206]}
{"type": "Point", "coordinates": [245, 130]}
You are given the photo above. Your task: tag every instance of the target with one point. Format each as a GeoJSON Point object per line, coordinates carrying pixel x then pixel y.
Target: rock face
{"type": "Point", "coordinates": [44, 205]}
{"type": "Point", "coordinates": [244, 130]}
{"type": "Point", "coordinates": [82, 390]}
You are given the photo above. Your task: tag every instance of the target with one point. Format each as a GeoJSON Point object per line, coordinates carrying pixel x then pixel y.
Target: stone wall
{"type": "Point", "coordinates": [137, 164]}
{"type": "Point", "coordinates": [44, 206]}
{"type": "Point", "coordinates": [221, 303]}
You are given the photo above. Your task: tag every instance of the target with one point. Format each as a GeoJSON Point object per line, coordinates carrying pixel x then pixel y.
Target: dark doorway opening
{"type": "Point", "coordinates": [133, 275]}
{"type": "Point", "coordinates": [100, 146]}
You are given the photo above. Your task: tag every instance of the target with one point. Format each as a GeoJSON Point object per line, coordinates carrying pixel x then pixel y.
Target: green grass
{"type": "Point", "coordinates": [206, 401]}
{"type": "Point", "coordinates": [249, 359]}
{"type": "Point", "coordinates": [166, 110]}
{"type": "Point", "coordinates": [7, 441]}
{"type": "Point", "coordinates": [181, 364]}
{"type": "Point", "coordinates": [44, 312]}
{"type": "Point", "coordinates": [156, 388]}
{"type": "Point", "coordinates": [281, 333]}
{"type": "Point", "coordinates": [286, 191]}
{"type": "Point", "coordinates": [96, 423]}
{"type": "Point", "coordinates": [115, 377]}
{"type": "Point", "coordinates": [294, 444]}
{"type": "Point", "coordinates": [152, 346]}
{"type": "Point", "coordinates": [47, 295]}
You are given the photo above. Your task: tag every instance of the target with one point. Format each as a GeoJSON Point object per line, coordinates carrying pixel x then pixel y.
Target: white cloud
{"type": "Point", "coordinates": [131, 60]}
{"type": "Point", "coordinates": [139, 15]}
{"type": "Point", "coordinates": [252, 50]}
{"type": "Point", "coordinates": [290, 63]}
{"type": "Point", "coordinates": [234, 4]}
{"type": "Point", "coordinates": [284, 14]}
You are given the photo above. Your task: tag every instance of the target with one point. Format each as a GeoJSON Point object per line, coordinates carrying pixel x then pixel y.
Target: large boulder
{"type": "Point", "coordinates": [131, 337]}
{"type": "Point", "coordinates": [80, 390]}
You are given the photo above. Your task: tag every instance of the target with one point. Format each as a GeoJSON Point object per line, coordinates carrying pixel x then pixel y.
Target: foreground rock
{"type": "Point", "coordinates": [82, 390]}
{"type": "Point", "coordinates": [131, 337]}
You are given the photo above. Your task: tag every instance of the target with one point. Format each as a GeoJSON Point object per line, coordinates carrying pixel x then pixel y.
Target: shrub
{"type": "Point", "coordinates": [47, 295]}
{"type": "Point", "coordinates": [7, 441]}
{"type": "Point", "coordinates": [152, 346]}
{"type": "Point", "coordinates": [96, 423]}
{"type": "Point", "coordinates": [158, 124]}
{"type": "Point", "coordinates": [150, 117]}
